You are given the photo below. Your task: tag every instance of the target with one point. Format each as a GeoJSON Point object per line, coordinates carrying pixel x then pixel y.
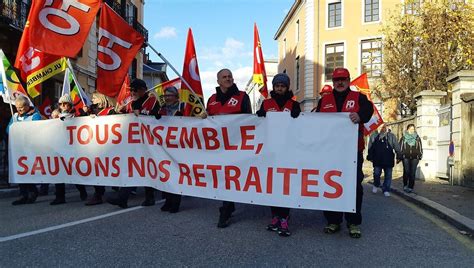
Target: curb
{"type": "Point", "coordinates": [459, 221]}
{"type": "Point", "coordinates": [9, 192]}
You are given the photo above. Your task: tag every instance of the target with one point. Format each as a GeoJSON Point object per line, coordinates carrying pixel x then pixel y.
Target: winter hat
{"type": "Point", "coordinates": [65, 99]}
{"type": "Point", "coordinates": [172, 90]}
{"type": "Point", "coordinates": [281, 78]}
{"type": "Point", "coordinates": [138, 83]}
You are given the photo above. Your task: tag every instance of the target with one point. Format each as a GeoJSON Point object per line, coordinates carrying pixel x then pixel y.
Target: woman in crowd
{"type": "Point", "coordinates": [412, 152]}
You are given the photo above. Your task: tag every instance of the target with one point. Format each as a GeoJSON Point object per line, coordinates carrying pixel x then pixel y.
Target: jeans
{"type": "Point", "coordinates": [409, 171]}
{"type": "Point", "coordinates": [387, 171]}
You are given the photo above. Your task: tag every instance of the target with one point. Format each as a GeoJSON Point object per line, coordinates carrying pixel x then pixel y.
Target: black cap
{"type": "Point", "coordinates": [138, 83]}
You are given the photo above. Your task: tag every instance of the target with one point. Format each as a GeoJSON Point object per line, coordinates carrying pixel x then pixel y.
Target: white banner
{"type": "Point", "coordinates": [309, 162]}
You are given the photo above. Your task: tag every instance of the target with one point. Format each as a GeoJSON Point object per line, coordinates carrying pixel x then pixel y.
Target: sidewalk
{"type": "Point", "coordinates": [455, 204]}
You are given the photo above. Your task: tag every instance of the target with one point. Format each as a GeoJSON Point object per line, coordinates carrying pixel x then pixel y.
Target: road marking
{"type": "Point", "coordinates": [69, 224]}
{"type": "Point", "coordinates": [442, 224]}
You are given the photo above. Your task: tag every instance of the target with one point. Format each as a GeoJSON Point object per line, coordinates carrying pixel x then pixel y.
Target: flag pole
{"type": "Point", "coordinates": [71, 69]}
{"type": "Point", "coordinates": [180, 77]}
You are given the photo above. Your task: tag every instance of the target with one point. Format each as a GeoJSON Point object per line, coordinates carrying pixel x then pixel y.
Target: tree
{"type": "Point", "coordinates": [423, 47]}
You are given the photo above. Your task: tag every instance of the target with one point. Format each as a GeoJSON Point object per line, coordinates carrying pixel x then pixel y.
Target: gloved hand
{"type": "Point", "coordinates": [261, 113]}
{"type": "Point", "coordinates": [294, 115]}
{"type": "Point", "coordinates": [158, 116]}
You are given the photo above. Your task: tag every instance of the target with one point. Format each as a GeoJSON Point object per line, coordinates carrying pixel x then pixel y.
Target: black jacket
{"type": "Point", "coordinates": [411, 152]}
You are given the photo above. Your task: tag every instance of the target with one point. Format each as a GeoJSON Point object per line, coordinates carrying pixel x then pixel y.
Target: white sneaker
{"type": "Point", "coordinates": [374, 189]}
{"type": "Point", "coordinates": [387, 194]}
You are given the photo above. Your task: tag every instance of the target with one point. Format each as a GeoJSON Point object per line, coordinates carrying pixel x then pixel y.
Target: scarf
{"type": "Point", "coordinates": [410, 139]}
{"type": "Point", "coordinates": [171, 109]}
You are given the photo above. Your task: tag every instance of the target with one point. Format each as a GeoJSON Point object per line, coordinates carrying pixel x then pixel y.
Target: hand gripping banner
{"type": "Point", "coordinates": [308, 162]}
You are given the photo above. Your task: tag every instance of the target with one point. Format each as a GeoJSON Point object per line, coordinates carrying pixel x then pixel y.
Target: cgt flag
{"type": "Point", "coordinates": [10, 86]}
{"type": "Point", "coordinates": [193, 106]}
{"type": "Point", "coordinates": [72, 87]}
{"type": "Point", "coordinates": [61, 27]}
{"type": "Point", "coordinates": [124, 97]}
{"type": "Point", "coordinates": [35, 66]}
{"type": "Point", "coordinates": [361, 83]}
{"type": "Point", "coordinates": [118, 45]}
{"type": "Point", "coordinates": [259, 74]}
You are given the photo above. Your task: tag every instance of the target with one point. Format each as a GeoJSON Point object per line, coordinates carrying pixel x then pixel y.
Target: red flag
{"type": "Point", "coordinates": [118, 45]}
{"type": "Point", "coordinates": [259, 74]}
{"type": "Point", "coordinates": [34, 65]}
{"type": "Point", "coordinates": [61, 27]}
{"type": "Point", "coordinates": [45, 108]}
{"type": "Point", "coordinates": [124, 95]}
{"type": "Point", "coordinates": [191, 75]}
{"type": "Point", "coordinates": [362, 85]}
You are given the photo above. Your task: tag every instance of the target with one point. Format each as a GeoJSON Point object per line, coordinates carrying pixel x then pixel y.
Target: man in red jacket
{"type": "Point", "coordinates": [343, 99]}
{"type": "Point", "coordinates": [228, 99]}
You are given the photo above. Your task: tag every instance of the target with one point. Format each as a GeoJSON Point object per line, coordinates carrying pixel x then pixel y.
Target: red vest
{"type": "Point", "coordinates": [351, 104]}
{"type": "Point", "coordinates": [105, 111]}
{"type": "Point", "coordinates": [270, 105]}
{"type": "Point", "coordinates": [147, 105]}
{"type": "Point", "coordinates": [232, 106]}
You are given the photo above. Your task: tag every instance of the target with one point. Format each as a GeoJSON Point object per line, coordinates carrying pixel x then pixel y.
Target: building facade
{"type": "Point", "coordinates": [317, 36]}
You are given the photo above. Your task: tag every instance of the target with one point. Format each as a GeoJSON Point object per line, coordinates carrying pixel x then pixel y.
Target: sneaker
{"type": "Point", "coordinates": [374, 189]}
{"type": "Point", "coordinates": [148, 202]}
{"type": "Point", "coordinates": [117, 202]}
{"type": "Point", "coordinates": [21, 201]}
{"type": "Point", "coordinates": [57, 201]}
{"type": "Point", "coordinates": [387, 194]}
{"type": "Point", "coordinates": [332, 228]}
{"type": "Point", "coordinates": [409, 190]}
{"type": "Point", "coordinates": [354, 231]}
{"type": "Point", "coordinates": [284, 230]}
{"type": "Point", "coordinates": [274, 225]}
{"type": "Point", "coordinates": [405, 188]}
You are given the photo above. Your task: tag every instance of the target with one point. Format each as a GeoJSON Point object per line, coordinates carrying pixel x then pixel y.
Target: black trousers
{"type": "Point", "coordinates": [26, 188]}
{"type": "Point", "coordinates": [61, 190]}
{"type": "Point", "coordinates": [227, 208]}
{"type": "Point", "coordinates": [334, 217]}
{"type": "Point", "coordinates": [409, 171]}
{"type": "Point", "coordinates": [124, 193]}
{"type": "Point", "coordinates": [280, 212]}
{"type": "Point", "coordinates": [173, 200]}
{"type": "Point", "coordinates": [99, 191]}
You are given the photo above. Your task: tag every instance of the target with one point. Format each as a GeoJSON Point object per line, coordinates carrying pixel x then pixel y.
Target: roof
{"type": "Point", "coordinates": [287, 18]}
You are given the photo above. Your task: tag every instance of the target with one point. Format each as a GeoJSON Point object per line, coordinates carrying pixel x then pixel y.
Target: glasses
{"type": "Point", "coordinates": [133, 89]}
{"type": "Point", "coordinates": [170, 95]}
{"type": "Point", "coordinates": [63, 104]}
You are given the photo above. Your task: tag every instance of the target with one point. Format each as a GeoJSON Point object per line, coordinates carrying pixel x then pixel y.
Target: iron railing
{"type": "Point", "coordinates": [14, 12]}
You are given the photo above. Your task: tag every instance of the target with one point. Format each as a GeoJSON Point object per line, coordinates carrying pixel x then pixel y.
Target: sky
{"type": "Point", "coordinates": [222, 30]}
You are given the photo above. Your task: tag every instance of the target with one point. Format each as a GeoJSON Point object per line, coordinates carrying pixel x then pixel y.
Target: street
{"type": "Point", "coordinates": [394, 233]}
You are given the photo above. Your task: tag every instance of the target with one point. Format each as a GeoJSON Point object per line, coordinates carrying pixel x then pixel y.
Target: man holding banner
{"type": "Point", "coordinates": [142, 103]}
{"type": "Point", "coordinates": [228, 99]}
{"type": "Point", "coordinates": [360, 109]}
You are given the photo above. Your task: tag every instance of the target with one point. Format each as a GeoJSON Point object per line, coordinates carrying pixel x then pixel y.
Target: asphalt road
{"type": "Point", "coordinates": [394, 234]}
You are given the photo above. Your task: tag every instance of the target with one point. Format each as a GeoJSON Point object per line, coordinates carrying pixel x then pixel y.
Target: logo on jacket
{"type": "Point", "coordinates": [233, 102]}
{"type": "Point", "coordinates": [328, 106]}
{"type": "Point", "coordinates": [350, 104]}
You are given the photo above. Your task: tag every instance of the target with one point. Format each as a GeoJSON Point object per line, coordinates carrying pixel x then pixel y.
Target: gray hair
{"type": "Point", "coordinates": [222, 70]}
{"type": "Point", "coordinates": [22, 100]}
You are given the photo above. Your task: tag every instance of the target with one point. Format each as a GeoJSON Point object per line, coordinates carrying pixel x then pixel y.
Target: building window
{"type": "Point", "coordinates": [134, 69]}
{"type": "Point", "coordinates": [334, 14]}
{"type": "Point", "coordinates": [297, 31]}
{"type": "Point", "coordinates": [412, 6]}
{"type": "Point", "coordinates": [334, 58]}
{"type": "Point", "coordinates": [297, 73]}
{"type": "Point", "coordinates": [284, 47]}
{"type": "Point", "coordinates": [371, 10]}
{"type": "Point", "coordinates": [371, 57]}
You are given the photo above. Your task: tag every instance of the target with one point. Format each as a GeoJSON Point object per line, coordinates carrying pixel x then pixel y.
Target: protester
{"type": "Point", "coordinates": [280, 101]}
{"type": "Point", "coordinates": [227, 100]}
{"type": "Point", "coordinates": [142, 104]}
{"type": "Point", "coordinates": [360, 109]}
{"type": "Point", "coordinates": [172, 107]}
{"type": "Point", "coordinates": [412, 152]}
{"type": "Point", "coordinates": [381, 152]}
{"type": "Point", "coordinates": [101, 105]}
{"type": "Point", "coordinates": [67, 111]}
{"type": "Point", "coordinates": [25, 112]}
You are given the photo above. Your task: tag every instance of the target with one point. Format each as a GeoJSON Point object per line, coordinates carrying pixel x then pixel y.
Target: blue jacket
{"type": "Point", "coordinates": [31, 115]}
